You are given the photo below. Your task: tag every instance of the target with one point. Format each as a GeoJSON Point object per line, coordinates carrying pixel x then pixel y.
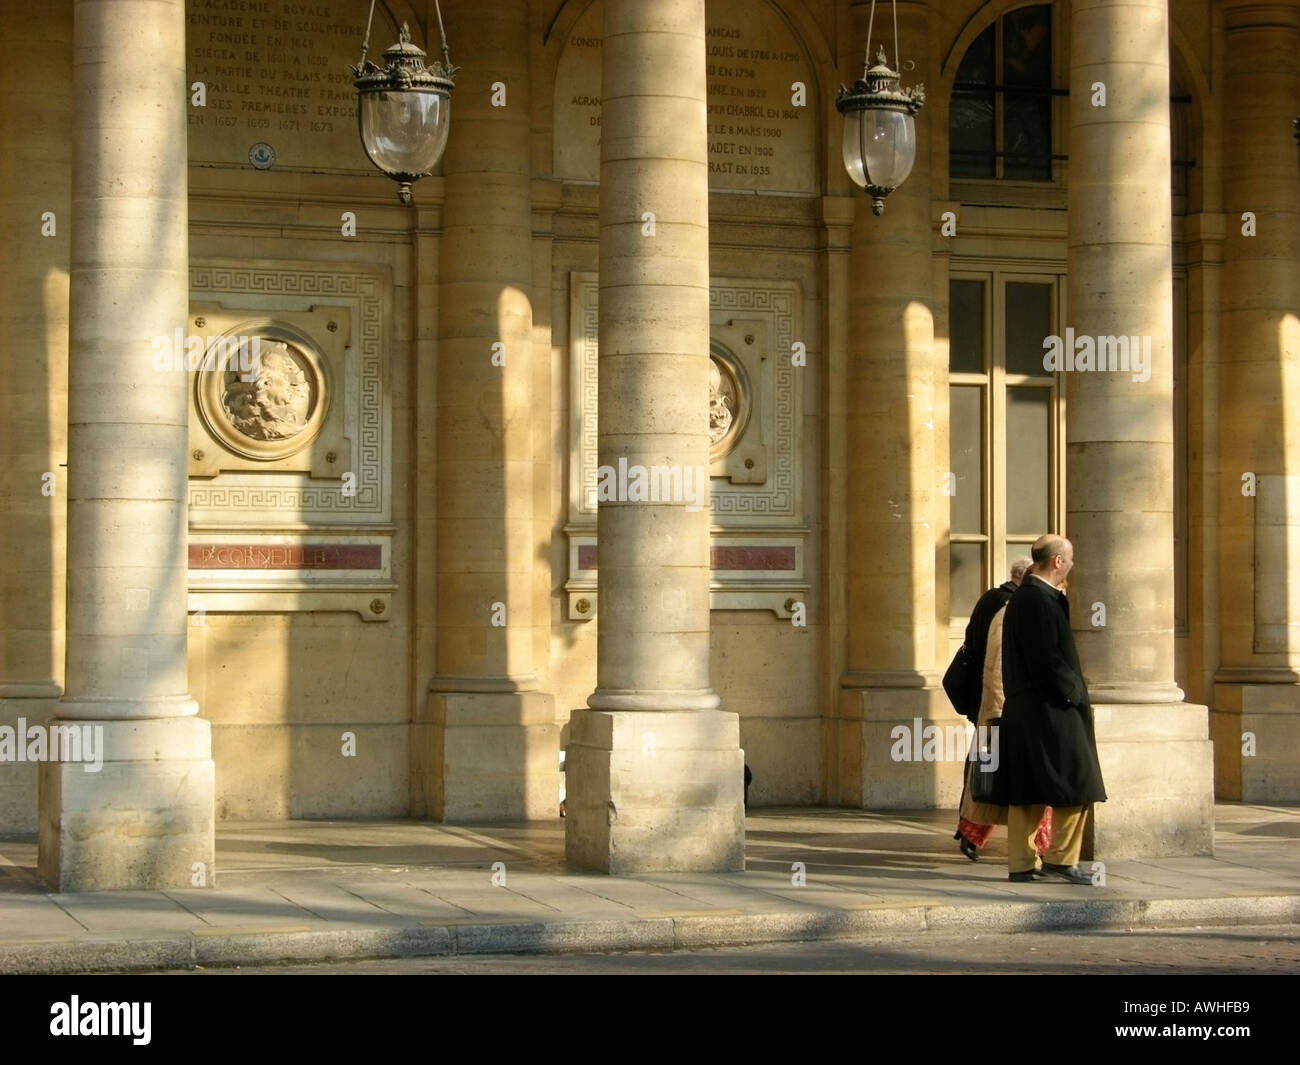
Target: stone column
{"type": "Point", "coordinates": [654, 769]}
{"type": "Point", "coordinates": [145, 819]}
{"type": "Point", "coordinates": [890, 678]}
{"type": "Point", "coordinates": [35, 178]}
{"type": "Point", "coordinates": [494, 744]}
{"type": "Point", "coordinates": [1154, 748]}
{"type": "Point", "coordinates": [1256, 719]}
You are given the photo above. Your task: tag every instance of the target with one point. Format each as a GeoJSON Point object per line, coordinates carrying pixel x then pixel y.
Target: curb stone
{"type": "Point", "coordinates": [228, 948]}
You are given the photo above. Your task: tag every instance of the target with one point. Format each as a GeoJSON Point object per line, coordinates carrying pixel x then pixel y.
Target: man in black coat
{"type": "Point", "coordinates": [1049, 749]}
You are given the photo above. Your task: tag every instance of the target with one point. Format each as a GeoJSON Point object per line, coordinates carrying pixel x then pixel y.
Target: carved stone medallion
{"type": "Point", "coordinates": [729, 402]}
{"type": "Point", "coordinates": [271, 409]}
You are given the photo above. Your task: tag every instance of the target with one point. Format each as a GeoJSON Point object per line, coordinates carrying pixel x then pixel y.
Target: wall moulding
{"type": "Point", "coordinates": [236, 573]}
{"type": "Point", "coordinates": [755, 484]}
{"type": "Point", "coordinates": [751, 569]}
{"type": "Point", "coordinates": [291, 473]}
{"type": "Point", "coordinates": [281, 408]}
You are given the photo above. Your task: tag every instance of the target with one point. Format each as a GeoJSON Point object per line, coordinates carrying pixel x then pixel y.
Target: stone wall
{"type": "Point", "coordinates": [315, 666]}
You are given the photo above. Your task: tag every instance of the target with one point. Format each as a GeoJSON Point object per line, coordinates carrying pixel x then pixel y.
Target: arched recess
{"type": "Point", "coordinates": [805, 26]}
{"type": "Point", "coordinates": [1184, 66]}
{"type": "Point", "coordinates": [1189, 88]}
{"type": "Point", "coordinates": [976, 23]}
{"type": "Point", "coordinates": [807, 34]}
{"type": "Point", "coordinates": [980, 22]}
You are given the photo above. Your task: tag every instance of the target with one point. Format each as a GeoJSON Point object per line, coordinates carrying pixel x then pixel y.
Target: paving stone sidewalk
{"type": "Point", "coordinates": [316, 890]}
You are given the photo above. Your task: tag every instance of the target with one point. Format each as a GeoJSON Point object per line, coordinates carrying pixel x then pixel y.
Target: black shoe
{"type": "Point", "coordinates": [1026, 877]}
{"type": "Point", "coordinates": [1072, 874]}
{"type": "Point", "coordinates": [969, 849]}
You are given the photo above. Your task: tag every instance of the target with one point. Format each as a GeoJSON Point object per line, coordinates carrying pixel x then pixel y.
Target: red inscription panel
{"type": "Point", "coordinates": [752, 558]}
{"type": "Point", "coordinates": [769, 559]}
{"type": "Point", "coordinates": [286, 556]}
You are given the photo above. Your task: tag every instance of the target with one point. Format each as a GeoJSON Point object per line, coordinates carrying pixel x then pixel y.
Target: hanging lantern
{"type": "Point", "coordinates": [404, 108]}
{"type": "Point", "coordinates": [879, 129]}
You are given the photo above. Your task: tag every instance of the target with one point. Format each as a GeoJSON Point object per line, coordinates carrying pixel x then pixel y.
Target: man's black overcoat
{"type": "Point", "coordinates": [1048, 747]}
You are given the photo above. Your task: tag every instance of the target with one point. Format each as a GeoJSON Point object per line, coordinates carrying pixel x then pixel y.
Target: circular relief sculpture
{"type": "Point", "coordinates": [272, 409]}
{"type": "Point", "coordinates": [729, 402]}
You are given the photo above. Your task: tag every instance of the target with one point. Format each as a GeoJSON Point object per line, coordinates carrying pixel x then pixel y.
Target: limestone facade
{"type": "Point", "coordinates": [418, 565]}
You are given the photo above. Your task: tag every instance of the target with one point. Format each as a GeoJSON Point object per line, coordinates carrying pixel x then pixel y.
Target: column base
{"type": "Point", "coordinates": [22, 705]}
{"type": "Point", "coordinates": [142, 821]}
{"type": "Point", "coordinates": [493, 756]}
{"type": "Point", "coordinates": [888, 741]}
{"type": "Point", "coordinates": [1256, 731]}
{"type": "Point", "coordinates": [655, 791]}
{"type": "Point", "coordinates": [1157, 762]}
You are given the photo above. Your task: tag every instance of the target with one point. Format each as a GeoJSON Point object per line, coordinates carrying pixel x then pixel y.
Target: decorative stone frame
{"type": "Point", "coordinates": [213, 395]}
{"type": "Point", "coordinates": [758, 540]}
{"type": "Point", "coordinates": [318, 338]}
{"type": "Point", "coordinates": [311, 529]}
{"type": "Point", "coordinates": [741, 347]}
{"type": "Point", "coordinates": [733, 381]}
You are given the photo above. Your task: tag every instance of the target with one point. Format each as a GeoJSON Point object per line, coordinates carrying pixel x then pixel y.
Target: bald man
{"type": "Point", "coordinates": [1049, 750]}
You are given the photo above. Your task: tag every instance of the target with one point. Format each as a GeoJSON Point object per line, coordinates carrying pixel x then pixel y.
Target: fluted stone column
{"type": "Point", "coordinates": [494, 744]}
{"type": "Point", "coordinates": [1256, 719]}
{"type": "Point", "coordinates": [654, 770]}
{"type": "Point", "coordinates": [145, 820]}
{"type": "Point", "coordinates": [35, 178]}
{"type": "Point", "coordinates": [1154, 748]}
{"type": "Point", "coordinates": [890, 678]}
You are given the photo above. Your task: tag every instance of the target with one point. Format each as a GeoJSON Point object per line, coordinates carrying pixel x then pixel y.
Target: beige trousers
{"type": "Point", "coordinates": [1067, 836]}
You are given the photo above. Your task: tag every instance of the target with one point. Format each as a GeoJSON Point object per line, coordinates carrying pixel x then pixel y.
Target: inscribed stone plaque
{"type": "Point", "coordinates": [276, 73]}
{"type": "Point", "coordinates": [759, 138]}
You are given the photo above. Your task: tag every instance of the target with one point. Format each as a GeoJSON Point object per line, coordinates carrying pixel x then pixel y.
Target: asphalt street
{"type": "Point", "coordinates": [1273, 949]}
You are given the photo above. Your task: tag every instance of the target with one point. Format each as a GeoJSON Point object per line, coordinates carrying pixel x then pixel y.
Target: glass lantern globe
{"type": "Point", "coordinates": [879, 131]}
{"type": "Point", "coordinates": [404, 112]}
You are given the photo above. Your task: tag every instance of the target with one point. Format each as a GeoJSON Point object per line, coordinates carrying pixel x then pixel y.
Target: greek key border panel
{"type": "Point", "coordinates": [776, 301]}
{"type": "Point", "coordinates": [368, 421]}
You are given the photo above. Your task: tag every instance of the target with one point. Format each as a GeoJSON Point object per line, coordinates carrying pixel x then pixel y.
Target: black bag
{"type": "Point", "coordinates": [963, 685]}
{"type": "Point", "coordinates": [984, 785]}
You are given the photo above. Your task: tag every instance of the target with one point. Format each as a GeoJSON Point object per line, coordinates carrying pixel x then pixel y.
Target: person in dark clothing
{"type": "Point", "coordinates": [975, 823]}
{"type": "Point", "coordinates": [1049, 747]}
{"type": "Point", "coordinates": [982, 614]}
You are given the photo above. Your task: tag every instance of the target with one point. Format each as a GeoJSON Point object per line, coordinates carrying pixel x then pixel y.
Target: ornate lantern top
{"type": "Point", "coordinates": [879, 89]}
{"type": "Point", "coordinates": [404, 68]}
